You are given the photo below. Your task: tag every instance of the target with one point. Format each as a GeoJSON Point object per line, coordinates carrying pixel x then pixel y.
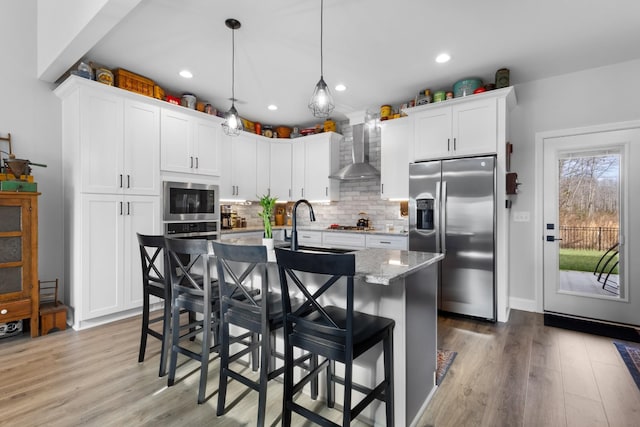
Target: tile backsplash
{"type": "Point", "coordinates": [355, 197]}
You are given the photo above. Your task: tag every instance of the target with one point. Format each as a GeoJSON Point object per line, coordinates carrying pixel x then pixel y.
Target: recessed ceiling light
{"type": "Point", "coordinates": [272, 107]}
{"type": "Point", "coordinates": [340, 87]}
{"type": "Point", "coordinates": [186, 74]}
{"type": "Point", "coordinates": [442, 58]}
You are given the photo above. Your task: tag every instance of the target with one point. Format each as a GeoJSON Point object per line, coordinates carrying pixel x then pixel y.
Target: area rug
{"type": "Point", "coordinates": [631, 357]}
{"type": "Point", "coordinates": [445, 359]}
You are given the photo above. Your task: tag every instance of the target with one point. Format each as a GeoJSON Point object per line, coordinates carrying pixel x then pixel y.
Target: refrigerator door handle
{"type": "Point", "coordinates": [443, 223]}
{"type": "Point", "coordinates": [436, 218]}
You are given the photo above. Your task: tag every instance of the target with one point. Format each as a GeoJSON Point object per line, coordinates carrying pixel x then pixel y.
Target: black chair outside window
{"type": "Point", "coordinates": [239, 267]}
{"type": "Point", "coordinates": [335, 333]}
{"type": "Point", "coordinates": [192, 289]}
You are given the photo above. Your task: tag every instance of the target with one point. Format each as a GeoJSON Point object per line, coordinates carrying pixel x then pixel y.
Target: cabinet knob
{"type": "Point", "coordinates": [4, 311]}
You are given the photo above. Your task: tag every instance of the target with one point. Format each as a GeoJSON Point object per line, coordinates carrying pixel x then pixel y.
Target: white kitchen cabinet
{"type": "Point", "coordinates": [263, 167]}
{"type": "Point", "coordinates": [190, 144]}
{"type": "Point", "coordinates": [387, 241]}
{"type": "Point", "coordinates": [243, 165]}
{"type": "Point", "coordinates": [314, 158]}
{"type": "Point", "coordinates": [109, 255]}
{"type": "Point", "coordinates": [280, 172]}
{"type": "Point", "coordinates": [395, 155]}
{"type": "Point", "coordinates": [239, 174]}
{"type": "Point", "coordinates": [120, 143]}
{"type": "Point", "coordinates": [107, 131]}
{"type": "Point", "coordinates": [336, 239]}
{"type": "Point", "coordinates": [458, 127]}
{"type": "Point", "coordinates": [309, 238]}
{"type": "Point", "coordinates": [297, 169]}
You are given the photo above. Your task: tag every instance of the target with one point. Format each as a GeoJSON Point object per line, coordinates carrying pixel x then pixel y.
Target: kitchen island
{"type": "Point", "coordinates": [401, 285]}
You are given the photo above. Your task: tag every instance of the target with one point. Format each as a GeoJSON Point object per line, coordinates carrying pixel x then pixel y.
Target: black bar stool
{"type": "Point", "coordinates": [155, 282]}
{"type": "Point", "coordinates": [192, 289]}
{"type": "Point", "coordinates": [335, 333]}
{"type": "Point", "coordinates": [239, 267]}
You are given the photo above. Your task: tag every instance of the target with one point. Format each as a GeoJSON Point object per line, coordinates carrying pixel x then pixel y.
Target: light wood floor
{"type": "Point", "coordinates": [516, 374]}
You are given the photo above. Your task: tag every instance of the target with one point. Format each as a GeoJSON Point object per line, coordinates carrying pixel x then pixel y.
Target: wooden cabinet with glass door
{"type": "Point", "coordinates": [19, 258]}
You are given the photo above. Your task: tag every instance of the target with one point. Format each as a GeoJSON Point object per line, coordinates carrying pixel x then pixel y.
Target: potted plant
{"type": "Point", "coordinates": [268, 205]}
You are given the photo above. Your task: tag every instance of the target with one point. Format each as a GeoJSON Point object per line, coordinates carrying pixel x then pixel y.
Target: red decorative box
{"type": "Point", "coordinates": [172, 100]}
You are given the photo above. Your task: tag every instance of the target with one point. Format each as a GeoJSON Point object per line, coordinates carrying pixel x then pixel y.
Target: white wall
{"type": "Point", "coordinates": [31, 113]}
{"type": "Point", "coordinates": [67, 29]}
{"type": "Point", "coordinates": [596, 96]}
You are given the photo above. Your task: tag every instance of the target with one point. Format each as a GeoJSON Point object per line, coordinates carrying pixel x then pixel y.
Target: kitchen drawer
{"type": "Point", "coordinates": [332, 239]}
{"type": "Point", "coordinates": [309, 238]}
{"type": "Point", "coordinates": [15, 310]}
{"type": "Point", "coordinates": [387, 242]}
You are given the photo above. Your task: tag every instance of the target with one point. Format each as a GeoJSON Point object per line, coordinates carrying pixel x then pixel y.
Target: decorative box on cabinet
{"type": "Point", "coordinates": [19, 258]}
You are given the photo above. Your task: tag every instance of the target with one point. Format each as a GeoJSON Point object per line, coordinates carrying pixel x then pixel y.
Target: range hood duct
{"type": "Point", "coordinates": [360, 169]}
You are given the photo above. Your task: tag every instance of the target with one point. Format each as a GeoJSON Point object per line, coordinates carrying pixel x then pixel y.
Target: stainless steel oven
{"type": "Point", "coordinates": [185, 201]}
{"type": "Point", "coordinates": [191, 210]}
{"type": "Point", "coordinates": [209, 230]}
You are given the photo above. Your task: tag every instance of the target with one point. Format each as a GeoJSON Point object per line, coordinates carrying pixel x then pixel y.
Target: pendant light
{"type": "Point", "coordinates": [232, 124]}
{"type": "Point", "coordinates": [321, 102]}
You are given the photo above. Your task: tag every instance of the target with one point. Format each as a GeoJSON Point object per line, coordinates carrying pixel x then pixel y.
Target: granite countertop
{"type": "Point", "coordinates": [384, 266]}
{"type": "Point", "coordinates": [375, 266]}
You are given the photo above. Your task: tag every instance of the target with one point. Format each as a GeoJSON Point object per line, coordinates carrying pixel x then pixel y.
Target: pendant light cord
{"type": "Point", "coordinates": [233, 67]}
{"type": "Point", "coordinates": [321, 37]}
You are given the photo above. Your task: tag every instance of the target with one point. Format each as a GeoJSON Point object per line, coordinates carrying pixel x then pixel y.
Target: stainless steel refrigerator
{"type": "Point", "coordinates": [452, 209]}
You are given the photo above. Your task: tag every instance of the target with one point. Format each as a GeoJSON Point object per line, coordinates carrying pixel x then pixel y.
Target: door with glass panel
{"type": "Point", "coordinates": [591, 195]}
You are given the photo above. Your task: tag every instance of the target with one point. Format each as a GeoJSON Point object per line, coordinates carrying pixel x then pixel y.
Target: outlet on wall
{"type": "Point", "coordinates": [520, 216]}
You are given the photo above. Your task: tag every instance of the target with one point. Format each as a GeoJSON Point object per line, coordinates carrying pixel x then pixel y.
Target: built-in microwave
{"type": "Point", "coordinates": [191, 201]}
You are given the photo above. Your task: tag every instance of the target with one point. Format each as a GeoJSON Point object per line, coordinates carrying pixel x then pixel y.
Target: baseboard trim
{"type": "Point", "coordinates": [591, 326]}
{"type": "Point", "coordinates": [523, 304]}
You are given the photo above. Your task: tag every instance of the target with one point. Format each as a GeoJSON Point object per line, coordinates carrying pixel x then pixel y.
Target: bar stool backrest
{"type": "Point", "coordinates": [235, 265]}
{"type": "Point", "coordinates": [330, 268]}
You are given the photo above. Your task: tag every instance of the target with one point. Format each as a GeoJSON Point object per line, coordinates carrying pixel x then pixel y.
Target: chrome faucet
{"type": "Point", "coordinates": [294, 230]}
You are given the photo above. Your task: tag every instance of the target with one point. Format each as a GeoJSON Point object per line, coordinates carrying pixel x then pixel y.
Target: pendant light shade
{"type": "Point", "coordinates": [232, 124]}
{"type": "Point", "coordinates": [321, 103]}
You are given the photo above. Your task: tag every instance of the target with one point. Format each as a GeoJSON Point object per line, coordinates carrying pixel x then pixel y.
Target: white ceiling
{"type": "Point", "coordinates": [383, 51]}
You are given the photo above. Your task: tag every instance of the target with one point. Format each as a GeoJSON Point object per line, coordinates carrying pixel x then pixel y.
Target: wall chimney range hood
{"type": "Point", "coordinates": [360, 169]}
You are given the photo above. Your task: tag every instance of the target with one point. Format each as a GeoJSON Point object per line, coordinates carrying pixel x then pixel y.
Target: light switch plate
{"type": "Point", "coordinates": [520, 216]}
